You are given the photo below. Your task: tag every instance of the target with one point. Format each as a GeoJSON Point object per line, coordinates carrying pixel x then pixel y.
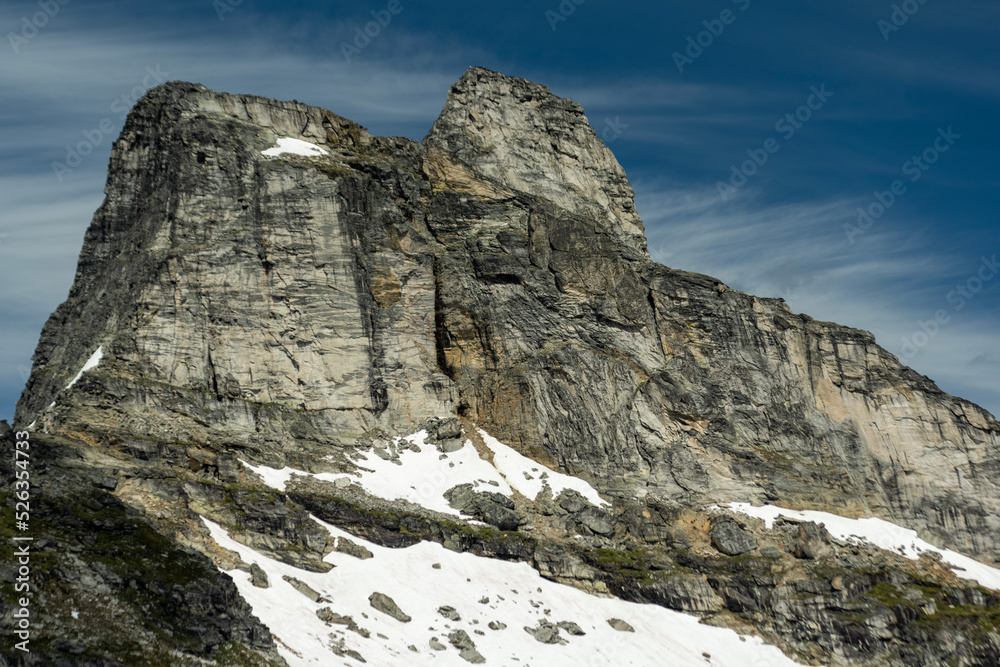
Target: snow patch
{"type": "Point", "coordinates": [481, 590]}
{"type": "Point", "coordinates": [294, 147]}
{"type": "Point", "coordinates": [273, 477]}
{"type": "Point", "coordinates": [422, 474]}
{"type": "Point", "coordinates": [95, 359]}
{"type": "Point", "coordinates": [420, 477]}
{"type": "Point", "coordinates": [530, 477]}
{"type": "Point", "coordinates": [881, 534]}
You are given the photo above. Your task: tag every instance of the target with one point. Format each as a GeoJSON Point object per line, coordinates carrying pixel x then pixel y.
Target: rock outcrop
{"type": "Point", "coordinates": [287, 310]}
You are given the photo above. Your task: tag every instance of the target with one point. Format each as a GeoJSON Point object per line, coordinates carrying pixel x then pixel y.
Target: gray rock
{"type": "Point", "coordinates": [327, 615]}
{"type": "Point", "coordinates": [770, 551]}
{"type": "Point", "coordinates": [546, 633]}
{"type": "Point", "coordinates": [446, 429]}
{"type": "Point", "coordinates": [346, 546]}
{"type": "Point", "coordinates": [449, 446]}
{"type": "Point", "coordinates": [467, 649]}
{"type": "Point", "coordinates": [590, 183]}
{"type": "Point", "coordinates": [620, 625]}
{"type": "Point", "coordinates": [571, 501]}
{"type": "Point", "coordinates": [488, 506]}
{"type": "Point", "coordinates": [809, 540]}
{"type": "Point", "coordinates": [303, 588]}
{"type": "Point", "coordinates": [108, 482]}
{"type": "Point", "coordinates": [571, 627]}
{"type": "Point", "coordinates": [258, 577]}
{"type": "Point", "coordinates": [436, 645]}
{"type": "Point", "coordinates": [450, 613]}
{"type": "Point", "coordinates": [387, 605]}
{"type": "Point", "coordinates": [691, 593]}
{"type": "Point", "coordinates": [729, 538]}
{"type": "Point", "coordinates": [339, 647]}
{"type": "Point", "coordinates": [597, 521]}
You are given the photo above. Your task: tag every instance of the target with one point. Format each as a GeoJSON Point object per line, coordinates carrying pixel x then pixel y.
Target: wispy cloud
{"type": "Point", "coordinates": [72, 80]}
{"type": "Point", "coordinates": [682, 134]}
{"type": "Point", "coordinates": [798, 251]}
{"type": "Point", "coordinates": [931, 71]}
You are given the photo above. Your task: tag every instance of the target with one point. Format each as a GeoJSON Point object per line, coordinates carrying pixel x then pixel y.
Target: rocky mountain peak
{"type": "Point", "coordinates": [518, 134]}
{"type": "Point", "coordinates": [291, 345]}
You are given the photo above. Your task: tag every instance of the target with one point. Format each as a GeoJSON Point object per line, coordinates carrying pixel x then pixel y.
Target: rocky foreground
{"type": "Point", "coordinates": [271, 302]}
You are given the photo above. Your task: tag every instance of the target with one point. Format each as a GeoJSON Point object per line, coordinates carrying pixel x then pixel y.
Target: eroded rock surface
{"type": "Point", "coordinates": [293, 310]}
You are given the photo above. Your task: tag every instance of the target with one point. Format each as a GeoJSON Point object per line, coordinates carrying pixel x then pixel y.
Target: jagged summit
{"type": "Point", "coordinates": [270, 297]}
{"type": "Point", "coordinates": [519, 134]}
{"type": "Point", "coordinates": [506, 130]}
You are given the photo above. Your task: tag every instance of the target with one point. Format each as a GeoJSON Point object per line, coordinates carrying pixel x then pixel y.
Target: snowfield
{"type": "Point", "coordinates": [90, 364]}
{"type": "Point", "coordinates": [530, 477]}
{"type": "Point", "coordinates": [294, 147]}
{"type": "Point", "coordinates": [881, 534]}
{"type": "Point", "coordinates": [423, 474]}
{"type": "Point", "coordinates": [425, 577]}
{"type": "Point", "coordinates": [94, 360]}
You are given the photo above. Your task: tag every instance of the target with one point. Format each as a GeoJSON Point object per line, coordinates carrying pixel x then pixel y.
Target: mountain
{"type": "Point", "coordinates": [326, 361]}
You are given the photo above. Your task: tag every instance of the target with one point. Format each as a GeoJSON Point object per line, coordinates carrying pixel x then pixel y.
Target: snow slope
{"type": "Point", "coordinates": [294, 147]}
{"type": "Point", "coordinates": [95, 359]}
{"type": "Point", "coordinates": [481, 591]}
{"type": "Point", "coordinates": [423, 474]}
{"type": "Point", "coordinates": [529, 477]}
{"type": "Point", "coordinates": [90, 364]}
{"type": "Point", "coordinates": [882, 534]}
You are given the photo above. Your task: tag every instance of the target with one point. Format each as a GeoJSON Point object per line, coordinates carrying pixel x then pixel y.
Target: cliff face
{"type": "Point", "coordinates": [287, 309]}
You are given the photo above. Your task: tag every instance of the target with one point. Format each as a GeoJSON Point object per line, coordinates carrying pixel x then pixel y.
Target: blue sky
{"type": "Point", "coordinates": [684, 93]}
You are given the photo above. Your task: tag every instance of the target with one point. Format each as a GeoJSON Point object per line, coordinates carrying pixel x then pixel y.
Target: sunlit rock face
{"type": "Point", "coordinates": [270, 283]}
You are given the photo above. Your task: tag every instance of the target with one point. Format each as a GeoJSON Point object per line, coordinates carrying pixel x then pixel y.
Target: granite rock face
{"type": "Point", "coordinates": [288, 309]}
{"type": "Point", "coordinates": [517, 135]}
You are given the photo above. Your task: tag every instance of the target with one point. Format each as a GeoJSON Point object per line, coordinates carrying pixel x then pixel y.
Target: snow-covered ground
{"type": "Point", "coordinates": [426, 576]}
{"type": "Point", "coordinates": [423, 474]}
{"type": "Point", "coordinates": [95, 359]}
{"type": "Point", "coordinates": [882, 534]}
{"type": "Point", "coordinates": [295, 147]}
{"type": "Point", "coordinates": [529, 477]}
{"type": "Point", "coordinates": [90, 364]}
